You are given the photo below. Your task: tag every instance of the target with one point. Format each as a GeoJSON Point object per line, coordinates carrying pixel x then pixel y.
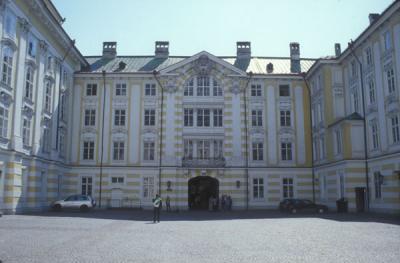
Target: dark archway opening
{"type": "Point", "coordinates": [201, 188]}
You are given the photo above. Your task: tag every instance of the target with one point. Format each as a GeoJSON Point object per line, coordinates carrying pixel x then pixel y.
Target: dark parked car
{"type": "Point", "coordinates": [296, 205]}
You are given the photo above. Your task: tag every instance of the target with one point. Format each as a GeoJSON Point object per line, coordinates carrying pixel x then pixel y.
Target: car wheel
{"type": "Point", "coordinates": [84, 208]}
{"type": "Point", "coordinates": [57, 207]}
{"type": "Point", "coordinates": [293, 210]}
{"type": "Point", "coordinates": [321, 210]}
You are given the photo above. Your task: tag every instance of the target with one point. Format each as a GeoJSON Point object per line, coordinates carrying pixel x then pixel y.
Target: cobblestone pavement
{"type": "Point", "coordinates": [256, 236]}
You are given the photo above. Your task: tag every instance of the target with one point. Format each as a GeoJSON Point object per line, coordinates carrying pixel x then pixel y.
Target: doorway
{"type": "Point", "coordinates": [201, 188]}
{"type": "Point", "coordinates": [360, 198]}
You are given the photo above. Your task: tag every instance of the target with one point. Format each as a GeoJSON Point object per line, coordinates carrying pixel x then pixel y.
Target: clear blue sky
{"type": "Point", "coordinates": [216, 25]}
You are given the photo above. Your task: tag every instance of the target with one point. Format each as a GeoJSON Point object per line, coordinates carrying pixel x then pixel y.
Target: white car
{"type": "Point", "coordinates": [81, 202]}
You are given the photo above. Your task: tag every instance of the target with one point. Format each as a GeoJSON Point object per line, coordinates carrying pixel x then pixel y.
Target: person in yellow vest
{"type": "Point", "coordinates": [157, 204]}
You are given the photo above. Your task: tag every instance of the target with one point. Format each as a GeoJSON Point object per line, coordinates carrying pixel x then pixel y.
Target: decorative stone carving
{"type": "Point", "coordinates": [46, 122]}
{"type": "Point", "coordinates": [24, 25]}
{"type": "Point", "coordinates": [27, 111]}
{"type": "Point", "coordinates": [43, 46]}
{"type": "Point", "coordinates": [3, 4]}
{"type": "Point", "coordinates": [171, 87]}
{"type": "Point", "coordinates": [5, 98]}
{"type": "Point", "coordinates": [119, 130]}
{"type": "Point", "coordinates": [235, 89]}
{"type": "Point", "coordinates": [89, 130]}
{"type": "Point", "coordinates": [203, 65]}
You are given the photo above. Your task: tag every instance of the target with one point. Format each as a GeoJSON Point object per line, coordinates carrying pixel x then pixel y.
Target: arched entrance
{"type": "Point", "coordinates": [201, 188]}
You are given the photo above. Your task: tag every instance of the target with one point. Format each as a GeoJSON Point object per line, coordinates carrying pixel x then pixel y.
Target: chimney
{"type": "Point", "coordinates": [338, 50]}
{"type": "Point", "coordinates": [109, 50]}
{"type": "Point", "coordinates": [243, 50]}
{"type": "Point", "coordinates": [373, 17]}
{"type": "Point", "coordinates": [162, 49]}
{"type": "Point", "coordinates": [295, 57]}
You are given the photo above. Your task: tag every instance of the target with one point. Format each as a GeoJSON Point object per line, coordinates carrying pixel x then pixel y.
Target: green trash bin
{"type": "Point", "coordinates": [342, 205]}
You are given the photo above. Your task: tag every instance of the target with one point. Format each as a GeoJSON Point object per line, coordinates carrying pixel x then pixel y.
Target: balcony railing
{"type": "Point", "coordinates": [204, 163]}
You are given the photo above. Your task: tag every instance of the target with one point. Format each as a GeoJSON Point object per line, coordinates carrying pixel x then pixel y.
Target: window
{"type": "Point", "coordinates": [47, 97]}
{"type": "Point", "coordinates": [338, 135]}
{"type": "Point", "coordinates": [371, 90]}
{"type": "Point", "coordinates": [148, 151]}
{"type": "Point", "coordinates": [218, 149]}
{"type": "Point", "coordinates": [117, 180]}
{"type": "Point", "coordinates": [287, 184]}
{"type": "Point", "coordinates": [375, 137]}
{"type": "Point", "coordinates": [149, 117]}
{"type": "Point", "coordinates": [188, 117]}
{"type": "Point", "coordinates": [395, 129]}
{"type": "Point", "coordinates": [217, 117]}
{"type": "Point", "coordinates": [87, 184]}
{"type": "Point", "coordinates": [3, 121]}
{"type": "Point", "coordinates": [203, 118]}
{"type": "Point", "coordinates": [356, 103]}
{"type": "Point", "coordinates": [203, 149]}
{"type": "Point", "coordinates": [32, 47]}
{"type": "Point", "coordinates": [63, 113]}
{"type": "Point", "coordinates": [285, 118]}
{"type": "Point", "coordinates": [90, 117]}
{"type": "Point", "coordinates": [256, 90]}
{"type": "Point", "coordinates": [203, 86]}
{"type": "Point", "coordinates": [150, 90]}
{"type": "Point", "coordinates": [353, 69]}
{"type": "Point", "coordinates": [26, 131]}
{"type": "Point", "coordinates": [188, 149]}
{"type": "Point", "coordinates": [368, 54]}
{"type": "Point", "coordinates": [378, 185]}
{"type": "Point", "coordinates": [119, 150]}
{"type": "Point", "coordinates": [7, 66]}
{"type": "Point", "coordinates": [258, 151]}
{"type": "Point", "coordinates": [256, 118]}
{"type": "Point", "coordinates": [46, 140]}
{"type": "Point", "coordinates": [88, 150]}
{"type": "Point", "coordinates": [388, 40]}
{"type": "Point", "coordinates": [188, 88]}
{"type": "Point", "coordinates": [29, 83]}
{"type": "Point", "coordinates": [119, 117]}
{"type": "Point", "coordinates": [341, 185]}
{"type": "Point", "coordinates": [258, 188]}
{"type": "Point", "coordinates": [390, 81]}
{"type": "Point", "coordinates": [120, 89]}
{"type": "Point", "coordinates": [91, 89]}
{"type": "Point", "coordinates": [217, 89]}
{"type": "Point", "coordinates": [284, 90]}
{"type": "Point", "coordinates": [148, 187]}
{"type": "Point", "coordinates": [286, 151]}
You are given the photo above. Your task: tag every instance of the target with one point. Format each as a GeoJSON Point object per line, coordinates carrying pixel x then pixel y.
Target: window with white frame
{"type": "Point", "coordinates": [371, 91]}
{"type": "Point", "coordinates": [218, 149]}
{"type": "Point", "coordinates": [217, 89]}
{"type": "Point", "coordinates": [322, 147]}
{"type": "Point", "coordinates": [286, 151]}
{"type": "Point", "coordinates": [203, 86]}
{"type": "Point", "coordinates": [258, 188]}
{"type": "Point", "coordinates": [148, 151]}
{"type": "Point", "coordinates": [118, 150]}
{"type": "Point", "coordinates": [149, 117]}
{"type": "Point", "coordinates": [387, 40]}
{"type": "Point", "coordinates": [91, 89]}
{"type": "Point", "coordinates": [7, 70]}
{"type": "Point", "coordinates": [117, 180]}
{"type": "Point", "coordinates": [120, 89]}
{"type": "Point", "coordinates": [63, 112]}
{"type": "Point", "coordinates": [3, 121]}
{"type": "Point", "coordinates": [148, 187]}
{"type": "Point", "coordinates": [256, 118]}
{"type": "Point", "coordinates": [203, 117]}
{"type": "Point", "coordinates": [46, 140]}
{"type": "Point", "coordinates": [368, 55]}
{"type": "Point", "coordinates": [188, 117]}
{"type": "Point", "coordinates": [189, 88]}
{"type": "Point", "coordinates": [341, 185]}
{"type": "Point", "coordinates": [378, 185]}
{"type": "Point", "coordinates": [90, 117]}
{"type": "Point", "coordinates": [285, 118]}
{"type": "Point", "coordinates": [395, 128]}
{"type": "Point", "coordinates": [288, 187]}
{"type": "Point", "coordinates": [188, 149]}
{"type": "Point", "coordinates": [88, 150]}
{"type": "Point", "coordinates": [217, 117]}
{"type": "Point", "coordinates": [150, 89]}
{"type": "Point", "coordinates": [29, 83]}
{"type": "Point", "coordinates": [203, 149]}
{"type": "Point", "coordinates": [87, 185]}
{"type": "Point", "coordinates": [26, 131]}
{"type": "Point", "coordinates": [353, 69]}
{"type": "Point", "coordinates": [284, 91]}
{"type": "Point", "coordinates": [390, 81]}
{"type": "Point", "coordinates": [258, 151]}
{"type": "Point", "coordinates": [375, 135]}
{"type": "Point", "coordinates": [356, 102]}
{"type": "Point", "coordinates": [47, 96]}
{"type": "Point", "coordinates": [256, 90]}
{"type": "Point", "coordinates": [119, 117]}
{"type": "Point", "coordinates": [338, 139]}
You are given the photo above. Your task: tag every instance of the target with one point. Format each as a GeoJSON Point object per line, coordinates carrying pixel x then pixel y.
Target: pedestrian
{"type": "Point", "coordinates": [157, 204]}
{"type": "Point", "coordinates": [229, 203]}
{"type": "Point", "coordinates": [223, 202]}
{"type": "Point", "coordinates": [210, 203]}
{"type": "Point", "coordinates": [168, 202]}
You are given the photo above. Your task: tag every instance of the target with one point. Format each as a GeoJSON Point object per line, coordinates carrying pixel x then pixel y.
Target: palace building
{"type": "Point", "coordinates": [259, 129]}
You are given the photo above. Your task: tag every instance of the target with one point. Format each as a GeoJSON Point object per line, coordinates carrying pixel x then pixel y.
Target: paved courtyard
{"type": "Point", "coordinates": [130, 236]}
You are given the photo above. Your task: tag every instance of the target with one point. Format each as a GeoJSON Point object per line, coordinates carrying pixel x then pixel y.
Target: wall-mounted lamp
{"type": "Point", "coordinates": [237, 184]}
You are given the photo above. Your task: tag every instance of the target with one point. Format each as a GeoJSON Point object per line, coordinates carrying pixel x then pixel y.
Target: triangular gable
{"type": "Point", "coordinates": [195, 57]}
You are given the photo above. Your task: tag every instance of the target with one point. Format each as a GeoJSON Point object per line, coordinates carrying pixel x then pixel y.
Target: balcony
{"type": "Point", "coordinates": [204, 163]}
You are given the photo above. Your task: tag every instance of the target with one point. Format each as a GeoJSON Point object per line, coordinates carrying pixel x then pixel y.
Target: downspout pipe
{"type": "Point", "coordinates": [102, 136]}
{"type": "Point", "coordinates": [249, 76]}
{"type": "Point", "coordinates": [351, 47]}
{"type": "Point", "coordinates": [303, 75]}
{"type": "Point", "coordinates": [155, 73]}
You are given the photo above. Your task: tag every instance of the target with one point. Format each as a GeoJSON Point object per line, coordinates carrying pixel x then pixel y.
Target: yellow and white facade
{"type": "Point", "coordinates": [127, 127]}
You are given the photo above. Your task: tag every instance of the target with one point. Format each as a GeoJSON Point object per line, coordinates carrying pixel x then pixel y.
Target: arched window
{"type": "Point", "coordinates": [202, 86]}
{"type": "Point", "coordinates": [29, 83]}
{"type": "Point", "coordinates": [7, 66]}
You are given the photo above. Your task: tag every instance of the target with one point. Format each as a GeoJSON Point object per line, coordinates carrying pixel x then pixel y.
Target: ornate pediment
{"type": "Point", "coordinates": [203, 65]}
{"type": "Point", "coordinates": [27, 111]}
